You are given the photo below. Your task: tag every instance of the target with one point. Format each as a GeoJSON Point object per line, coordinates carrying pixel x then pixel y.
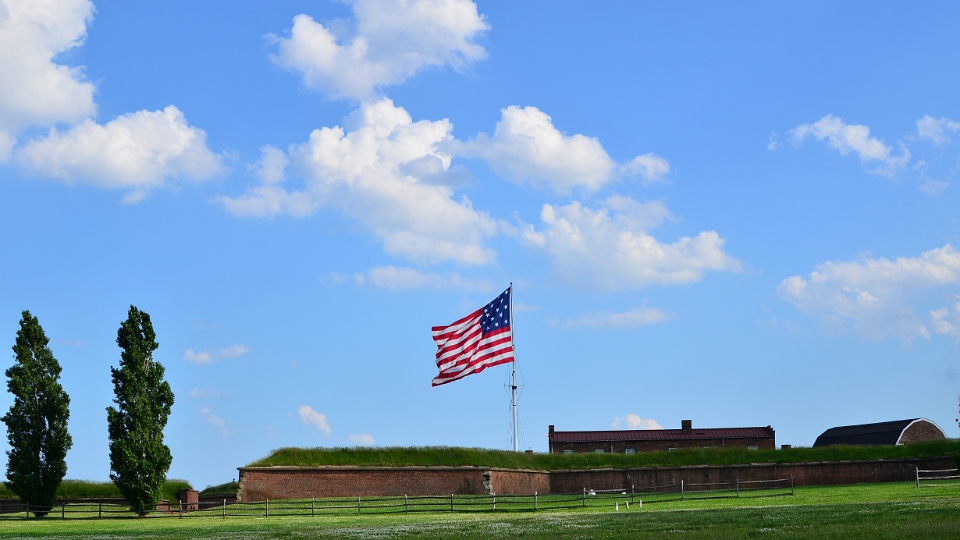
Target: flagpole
{"type": "Point", "coordinates": [516, 423]}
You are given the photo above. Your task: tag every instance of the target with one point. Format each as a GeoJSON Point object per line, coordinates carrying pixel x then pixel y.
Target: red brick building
{"type": "Point", "coordinates": [630, 441]}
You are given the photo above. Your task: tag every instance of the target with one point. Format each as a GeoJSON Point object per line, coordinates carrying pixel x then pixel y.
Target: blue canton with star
{"type": "Point", "coordinates": [496, 314]}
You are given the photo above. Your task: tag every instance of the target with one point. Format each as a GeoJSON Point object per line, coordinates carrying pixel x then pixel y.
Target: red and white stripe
{"type": "Point", "coordinates": [463, 350]}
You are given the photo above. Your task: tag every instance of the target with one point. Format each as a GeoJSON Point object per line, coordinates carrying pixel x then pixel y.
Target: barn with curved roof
{"type": "Point", "coordinates": [895, 432]}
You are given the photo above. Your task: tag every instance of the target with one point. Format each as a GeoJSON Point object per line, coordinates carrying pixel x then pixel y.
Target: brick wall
{"type": "Point", "coordinates": [804, 474]}
{"type": "Point", "coordinates": [921, 430]}
{"type": "Point", "coordinates": [513, 482]}
{"type": "Point", "coordinates": [259, 483]}
{"type": "Point", "coordinates": [618, 447]}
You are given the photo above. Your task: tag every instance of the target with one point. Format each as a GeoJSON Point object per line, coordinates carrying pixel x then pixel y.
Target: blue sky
{"type": "Point", "coordinates": [742, 214]}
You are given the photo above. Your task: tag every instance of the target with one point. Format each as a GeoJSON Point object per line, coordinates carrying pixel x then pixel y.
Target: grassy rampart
{"type": "Point", "coordinates": [480, 457]}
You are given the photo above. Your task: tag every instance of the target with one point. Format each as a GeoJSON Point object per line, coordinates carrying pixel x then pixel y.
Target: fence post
{"type": "Point", "coordinates": [180, 508]}
{"type": "Point", "coordinates": [791, 484]}
{"type": "Point", "coordinates": [406, 507]}
{"type": "Point", "coordinates": [738, 487]}
{"type": "Point", "coordinates": [63, 510]}
{"type": "Point", "coordinates": [451, 502]}
{"type": "Point", "coordinates": [681, 490]}
{"type": "Point", "coordinates": [266, 508]}
{"type": "Point", "coordinates": [631, 492]}
{"type": "Point", "coordinates": [313, 510]}
{"type": "Point", "coordinates": [584, 496]}
{"type": "Point", "coordinates": [494, 509]}
{"type": "Point", "coordinates": [100, 510]}
{"type": "Point", "coordinates": [534, 501]}
{"type": "Point", "coordinates": [917, 469]}
{"type": "Point", "coordinates": [358, 505]}
{"type": "Point", "coordinates": [224, 509]}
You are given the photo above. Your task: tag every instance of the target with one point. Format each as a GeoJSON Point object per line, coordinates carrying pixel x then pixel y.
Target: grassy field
{"type": "Point", "coordinates": [894, 510]}
{"type": "Point", "coordinates": [479, 457]}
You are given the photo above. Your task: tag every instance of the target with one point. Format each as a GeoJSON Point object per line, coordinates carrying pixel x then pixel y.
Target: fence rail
{"type": "Point", "coordinates": [596, 498]}
{"type": "Point", "coordinates": [936, 477]}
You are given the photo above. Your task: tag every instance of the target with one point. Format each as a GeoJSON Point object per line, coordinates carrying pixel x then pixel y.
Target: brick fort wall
{"type": "Point", "coordinates": [259, 483]}
{"type": "Point", "coordinates": [804, 474]}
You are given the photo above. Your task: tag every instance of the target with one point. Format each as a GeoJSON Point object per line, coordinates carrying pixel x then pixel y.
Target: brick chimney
{"type": "Point", "coordinates": [550, 439]}
{"type": "Point", "coordinates": [686, 426]}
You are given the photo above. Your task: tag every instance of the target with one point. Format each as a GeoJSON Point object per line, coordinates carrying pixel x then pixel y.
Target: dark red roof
{"type": "Point", "coordinates": [663, 434]}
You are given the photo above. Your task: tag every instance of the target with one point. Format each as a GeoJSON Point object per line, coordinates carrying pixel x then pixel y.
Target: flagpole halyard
{"type": "Point", "coordinates": [513, 402]}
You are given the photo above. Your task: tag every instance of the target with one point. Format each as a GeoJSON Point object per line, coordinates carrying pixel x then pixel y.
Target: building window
{"type": "Point", "coordinates": [600, 451]}
{"type": "Point", "coordinates": [629, 450]}
{"type": "Point", "coordinates": [753, 447]}
{"type": "Point", "coordinates": [568, 451]}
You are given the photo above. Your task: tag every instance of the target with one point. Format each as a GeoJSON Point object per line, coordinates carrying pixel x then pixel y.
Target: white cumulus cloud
{"type": "Point", "coordinates": [846, 138]}
{"type": "Point", "coordinates": [526, 147]}
{"type": "Point", "coordinates": [365, 171]}
{"type": "Point", "coordinates": [633, 318]}
{"type": "Point", "coordinates": [406, 278]}
{"type": "Point", "coordinates": [311, 417]}
{"type": "Point", "coordinates": [135, 151]}
{"type": "Point", "coordinates": [33, 89]}
{"type": "Point", "coordinates": [202, 357]}
{"type": "Point", "coordinates": [361, 439]}
{"type": "Point", "coordinates": [937, 129]}
{"type": "Point", "coordinates": [205, 357]}
{"type": "Point", "coordinates": [207, 414]}
{"type": "Point", "coordinates": [389, 42]}
{"type": "Point", "coordinates": [878, 296]}
{"type": "Point", "coordinates": [610, 247]}
{"type": "Point", "coordinates": [632, 421]}
{"type": "Point", "coordinates": [234, 351]}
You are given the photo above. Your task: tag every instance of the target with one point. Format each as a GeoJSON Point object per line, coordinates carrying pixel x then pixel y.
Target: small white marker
{"type": "Point", "coordinates": [617, 506]}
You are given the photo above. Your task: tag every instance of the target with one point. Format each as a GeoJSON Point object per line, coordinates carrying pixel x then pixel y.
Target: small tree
{"type": "Point", "coordinates": [138, 458]}
{"type": "Point", "coordinates": [37, 420]}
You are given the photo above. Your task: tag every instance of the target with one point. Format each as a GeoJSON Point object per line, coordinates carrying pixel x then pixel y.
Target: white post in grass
{"type": "Point", "coordinates": [917, 469]}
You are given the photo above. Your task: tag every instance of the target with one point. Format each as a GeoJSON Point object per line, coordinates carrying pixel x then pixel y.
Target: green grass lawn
{"type": "Point", "coordinates": [893, 510]}
{"type": "Point", "coordinates": [481, 457]}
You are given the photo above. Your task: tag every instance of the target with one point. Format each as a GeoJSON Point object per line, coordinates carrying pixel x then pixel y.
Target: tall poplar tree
{"type": "Point", "coordinates": [139, 460]}
{"type": "Point", "coordinates": [37, 420]}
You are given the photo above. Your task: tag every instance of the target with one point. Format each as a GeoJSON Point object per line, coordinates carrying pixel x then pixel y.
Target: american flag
{"type": "Point", "coordinates": [475, 342]}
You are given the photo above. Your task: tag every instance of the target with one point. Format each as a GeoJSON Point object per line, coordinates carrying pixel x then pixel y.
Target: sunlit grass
{"type": "Point", "coordinates": [893, 510]}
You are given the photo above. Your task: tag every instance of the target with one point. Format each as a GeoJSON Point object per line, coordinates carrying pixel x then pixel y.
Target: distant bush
{"type": "Point", "coordinates": [451, 456]}
{"type": "Point", "coordinates": [85, 489]}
